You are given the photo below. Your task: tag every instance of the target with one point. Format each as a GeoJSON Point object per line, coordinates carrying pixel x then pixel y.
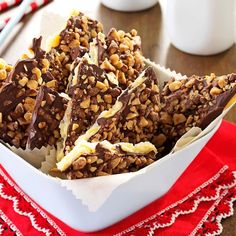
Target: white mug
{"type": "Point", "coordinates": [201, 27]}
{"type": "Point", "coordinates": [129, 5]}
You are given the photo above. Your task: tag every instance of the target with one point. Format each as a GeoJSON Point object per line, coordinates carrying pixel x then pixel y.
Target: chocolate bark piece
{"type": "Point", "coordinates": [48, 112]}
{"type": "Point", "coordinates": [122, 56]}
{"type": "Point", "coordinates": [31, 73]}
{"type": "Point", "coordinates": [92, 91]}
{"type": "Point", "coordinates": [15, 114]}
{"type": "Point", "coordinates": [99, 159]}
{"type": "Point", "coordinates": [134, 117]}
{"type": "Point", "coordinates": [5, 69]}
{"type": "Point", "coordinates": [118, 53]}
{"type": "Point", "coordinates": [194, 101]}
{"type": "Point", "coordinates": [73, 41]}
{"type": "Point", "coordinates": [26, 77]}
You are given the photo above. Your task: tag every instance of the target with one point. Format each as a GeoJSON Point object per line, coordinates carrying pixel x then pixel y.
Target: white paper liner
{"type": "Point", "coordinates": [93, 192]}
{"type": "Point", "coordinates": [163, 74]}
{"type": "Point", "coordinates": [49, 161]}
{"type": "Point", "coordinates": [35, 157]}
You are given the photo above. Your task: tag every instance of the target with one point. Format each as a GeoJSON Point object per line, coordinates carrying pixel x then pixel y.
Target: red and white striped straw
{"type": "Point", "coordinates": [4, 5]}
{"type": "Point", "coordinates": [36, 4]}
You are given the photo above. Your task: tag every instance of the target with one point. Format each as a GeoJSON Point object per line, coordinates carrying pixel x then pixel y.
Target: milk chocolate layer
{"type": "Point", "coordinates": [48, 112]}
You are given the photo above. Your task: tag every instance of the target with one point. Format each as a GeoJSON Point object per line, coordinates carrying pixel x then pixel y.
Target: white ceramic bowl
{"type": "Point", "coordinates": [122, 202]}
{"type": "Point", "coordinates": [129, 5]}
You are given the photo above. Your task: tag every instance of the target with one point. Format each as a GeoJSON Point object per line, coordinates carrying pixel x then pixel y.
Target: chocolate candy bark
{"type": "Point", "coordinates": [48, 112]}
{"type": "Point", "coordinates": [194, 101]}
{"type": "Point", "coordinates": [18, 95]}
{"type": "Point", "coordinates": [72, 42]}
{"type": "Point", "coordinates": [15, 114]}
{"type": "Point", "coordinates": [31, 73]}
{"type": "Point", "coordinates": [123, 56]}
{"type": "Point", "coordinates": [118, 53]}
{"type": "Point", "coordinates": [99, 159]}
{"type": "Point", "coordinates": [134, 117]}
{"type": "Point", "coordinates": [92, 91]}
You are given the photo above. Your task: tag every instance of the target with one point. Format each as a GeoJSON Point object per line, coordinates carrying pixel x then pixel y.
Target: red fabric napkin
{"type": "Point", "coordinates": [195, 205]}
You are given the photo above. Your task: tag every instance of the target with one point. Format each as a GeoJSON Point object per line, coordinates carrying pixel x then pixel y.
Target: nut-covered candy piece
{"type": "Point", "coordinates": [31, 73]}
{"type": "Point", "coordinates": [119, 53]}
{"type": "Point", "coordinates": [134, 117]}
{"type": "Point", "coordinates": [194, 101]}
{"type": "Point", "coordinates": [92, 91]}
{"type": "Point", "coordinates": [72, 42]}
{"type": "Point", "coordinates": [15, 112]}
{"type": "Point", "coordinates": [100, 159]}
{"type": "Point", "coordinates": [48, 112]}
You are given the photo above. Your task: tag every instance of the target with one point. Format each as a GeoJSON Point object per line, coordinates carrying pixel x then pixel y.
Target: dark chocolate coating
{"type": "Point", "coordinates": [41, 137]}
{"type": "Point", "coordinates": [78, 52]}
{"type": "Point", "coordinates": [217, 109]}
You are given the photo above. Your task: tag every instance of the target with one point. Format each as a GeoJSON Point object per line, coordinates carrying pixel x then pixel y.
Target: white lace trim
{"type": "Point", "coordinates": [176, 214]}
{"type": "Point", "coordinates": [219, 217]}
{"type": "Point", "coordinates": [9, 222]}
{"type": "Point", "coordinates": [29, 215]}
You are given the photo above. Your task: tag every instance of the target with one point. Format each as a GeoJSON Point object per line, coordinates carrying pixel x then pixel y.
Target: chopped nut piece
{"type": "Point", "coordinates": [29, 104]}
{"type": "Point", "coordinates": [131, 116]}
{"type": "Point", "coordinates": [100, 85]}
{"type": "Point", "coordinates": [3, 74]}
{"type": "Point", "coordinates": [215, 91]}
{"type": "Point", "coordinates": [23, 81]}
{"type": "Point", "coordinates": [108, 98]}
{"type": "Point", "coordinates": [94, 108]}
{"type": "Point", "coordinates": [75, 126]}
{"type": "Point", "coordinates": [175, 85]}
{"type": "Point", "coordinates": [32, 84]}
{"type": "Point", "coordinates": [37, 72]}
{"type": "Point", "coordinates": [85, 103]}
{"type": "Point", "coordinates": [222, 82]}
{"type": "Point", "coordinates": [42, 125]}
{"type": "Point", "coordinates": [179, 118]}
{"type": "Point", "coordinates": [52, 84]}
{"type": "Point", "coordinates": [28, 116]}
{"type": "Point", "coordinates": [143, 122]}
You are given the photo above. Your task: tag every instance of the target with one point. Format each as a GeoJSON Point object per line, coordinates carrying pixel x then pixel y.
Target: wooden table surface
{"type": "Point", "coordinates": [155, 42]}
